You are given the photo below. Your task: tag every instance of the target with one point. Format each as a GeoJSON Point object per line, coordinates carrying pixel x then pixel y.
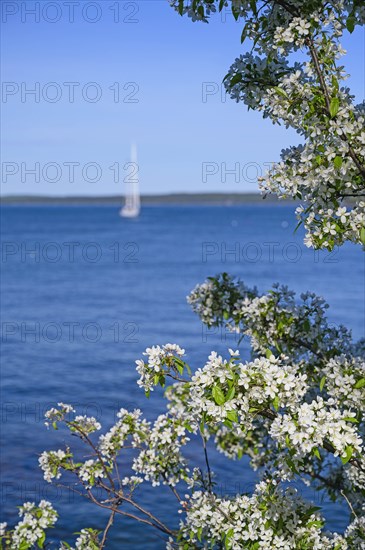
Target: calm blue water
{"type": "Point", "coordinates": [84, 292]}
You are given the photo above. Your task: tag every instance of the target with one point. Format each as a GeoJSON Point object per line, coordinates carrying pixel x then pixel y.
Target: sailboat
{"type": "Point", "coordinates": [132, 205]}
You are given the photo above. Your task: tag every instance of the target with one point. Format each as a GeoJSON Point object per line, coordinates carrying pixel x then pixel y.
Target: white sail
{"type": "Point", "coordinates": [132, 205]}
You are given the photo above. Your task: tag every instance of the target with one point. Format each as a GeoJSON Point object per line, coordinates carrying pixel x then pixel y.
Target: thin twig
{"type": "Point", "coordinates": [349, 503]}
{"type": "Point", "coordinates": [95, 449]}
{"type": "Point", "coordinates": [123, 513]}
{"type": "Point", "coordinates": [122, 498]}
{"type": "Point", "coordinates": [108, 526]}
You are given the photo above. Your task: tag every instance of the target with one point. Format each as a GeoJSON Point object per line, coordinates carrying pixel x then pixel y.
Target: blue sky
{"type": "Point", "coordinates": [161, 64]}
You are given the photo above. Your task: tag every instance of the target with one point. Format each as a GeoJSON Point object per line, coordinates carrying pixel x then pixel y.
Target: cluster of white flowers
{"type": "Point", "coordinates": [215, 298]}
{"type": "Point", "coordinates": [87, 540]}
{"type": "Point", "coordinates": [356, 477]}
{"type": "Point", "coordinates": [30, 530]}
{"type": "Point", "coordinates": [308, 96]}
{"type": "Point", "coordinates": [161, 461]}
{"type": "Point", "coordinates": [90, 471]}
{"type": "Point", "coordinates": [312, 424]}
{"type": "Point", "coordinates": [334, 146]}
{"type": "Point", "coordinates": [230, 389]}
{"type": "Point", "coordinates": [128, 424]}
{"type": "Point", "coordinates": [162, 361]}
{"type": "Point", "coordinates": [86, 424]}
{"type": "Point", "coordinates": [344, 380]}
{"type": "Point", "coordinates": [202, 296]}
{"type": "Point", "coordinates": [57, 415]}
{"type": "Point", "coordinates": [275, 320]}
{"type": "Point", "coordinates": [355, 534]}
{"type": "Point", "coordinates": [270, 518]}
{"type": "Point", "coordinates": [132, 481]}
{"type": "Point", "coordinates": [51, 462]}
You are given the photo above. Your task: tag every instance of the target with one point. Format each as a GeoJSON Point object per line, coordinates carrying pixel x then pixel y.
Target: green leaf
{"type": "Point", "coordinates": [244, 33]}
{"type": "Point", "coordinates": [268, 353]}
{"type": "Point", "coordinates": [199, 533]}
{"type": "Point", "coordinates": [335, 83]}
{"type": "Point", "coordinates": [337, 161]}
{"type": "Point", "coordinates": [229, 535]}
{"type": "Point", "coordinates": [54, 425]}
{"type": "Point", "coordinates": [235, 79]}
{"type": "Point", "coordinates": [232, 416]}
{"type": "Point", "coordinates": [276, 403]}
{"type": "Point", "coordinates": [334, 106]}
{"type": "Point", "coordinates": [278, 347]}
{"type": "Point", "coordinates": [349, 450]}
{"type": "Point", "coordinates": [297, 227]}
{"type": "Point", "coordinates": [253, 6]}
{"type": "Point", "coordinates": [360, 384]}
{"type": "Point", "coordinates": [322, 383]}
{"type": "Point", "coordinates": [230, 394]}
{"type": "Point", "coordinates": [281, 92]}
{"type": "Point", "coordinates": [312, 509]}
{"type": "Point", "coordinates": [201, 12]}
{"type": "Point", "coordinates": [316, 523]}
{"type": "Point", "coordinates": [319, 160]}
{"type": "Point", "coordinates": [351, 419]}
{"type": "Point", "coordinates": [41, 540]}
{"type": "Point", "coordinates": [179, 368]}
{"type": "Point", "coordinates": [291, 465]}
{"type": "Point", "coordinates": [218, 395]}
{"type": "Point", "coordinates": [317, 453]}
{"type": "Point", "coordinates": [350, 24]}
{"type": "Point", "coordinates": [362, 235]}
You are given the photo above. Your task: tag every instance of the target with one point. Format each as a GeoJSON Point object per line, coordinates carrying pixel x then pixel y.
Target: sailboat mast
{"type": "Point", "coordinates": [135, 177]}
{"type": "Point", "coordinates": [132, 203]}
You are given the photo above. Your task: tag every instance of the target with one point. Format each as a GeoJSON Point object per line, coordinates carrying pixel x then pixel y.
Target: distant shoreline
{"type": "Point", "coordinates": [175, 199]}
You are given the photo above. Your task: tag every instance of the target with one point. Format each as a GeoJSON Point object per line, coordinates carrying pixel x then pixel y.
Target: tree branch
{"type": "Point", "coordinates": [314, 56]}
{"type": "Point", "coordinates": [108, 526]}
